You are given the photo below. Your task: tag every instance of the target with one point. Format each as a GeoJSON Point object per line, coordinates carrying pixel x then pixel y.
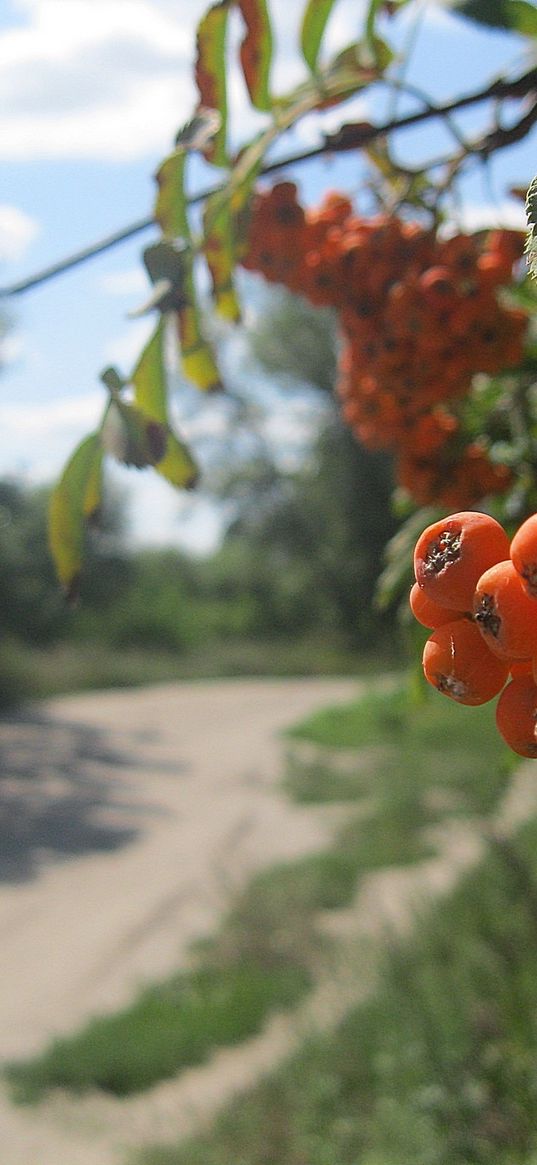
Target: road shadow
{"type": "Point", "coordinates": [60, 794]}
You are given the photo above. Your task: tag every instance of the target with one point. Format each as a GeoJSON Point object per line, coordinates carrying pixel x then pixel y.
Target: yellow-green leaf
{"type": "Point", "coordinates": [170, 207]}
{"type": "Point", "coordinates": [67, 512]}
{"type": "Point", "coordinates": [197, 359]}
{"type": "Point", "coordinates": [220, 255]}
{"type": "Point", "coordinates": [94, 489]}
{"type": "Point", "coordinates": [210, 73]}
{"type": "Point", "coordinates": [149, 378]}
{"type": "Point", "coordinates": [256, 52]}
{"type": "Point", "coordinates": [314, 22]}
{"type": "Point", "coordinates": [178, 465]}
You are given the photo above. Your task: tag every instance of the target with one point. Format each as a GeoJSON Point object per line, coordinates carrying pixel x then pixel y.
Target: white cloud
{"type": "Point", "coordinates": [96, 78]}
{"type": "Point", "coordinates": [37, 440]}
{"type": "Point", "coordinates": [478, 216]}
{"type": "Point", "coordinates": [159, 515]}
{"type": "Point", "coordinates": [114, 78]}
{"type": "Point", "coordinates": [125, 349]}
{"type": "Point", "coordinates": [17, 231]}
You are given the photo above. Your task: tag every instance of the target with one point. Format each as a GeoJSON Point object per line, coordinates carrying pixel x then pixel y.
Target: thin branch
{"type": "Point", "coordinates": [348, 137]}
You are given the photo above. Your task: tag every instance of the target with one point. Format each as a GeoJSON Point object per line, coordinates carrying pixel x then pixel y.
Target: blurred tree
{"type": "Point", "coordinates": [305, 546]}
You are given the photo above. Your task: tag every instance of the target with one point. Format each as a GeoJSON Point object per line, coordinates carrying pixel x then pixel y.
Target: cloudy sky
{"type": "Point", "coordinates": [91, 95]}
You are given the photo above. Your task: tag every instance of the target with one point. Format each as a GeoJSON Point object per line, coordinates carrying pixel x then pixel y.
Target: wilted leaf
{"type": "Point", "coordinates": [256, 51]}
{"type": "Point", "coordinates": [200, 130]}
{"type": "Point", "coordinates": [177, 465]}
{"type": "Point", "coordinates": [210, 73]}
{"type": "Point", "coordinates": [514, 15]}
{"type": "Point", "coordinates": [314, 22]}
{"type": "Point", "coordinates": [132, 437]}
{"type": "Point", "coordinates": [168, 264]}
{"type": "Point", "coordinates": [69, 504]}
{"type": "Point", "coordinates": [112, 380]}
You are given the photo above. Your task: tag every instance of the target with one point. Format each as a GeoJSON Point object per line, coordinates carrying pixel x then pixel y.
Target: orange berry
{"type": "Point", "coordinates": [427, 612]}
{"type": "Point", "coordinates": [459, 664]}
{"type": "Point", "coordinates": [505, 613]}
{"type": "Point", "coordinates": [516, 715]}
{"type": "Point", "coordinates": [438, 288]}
{"type": "Point", "coordinates": [452, 554]}
{"type": "Point", "coordinates": [524, 554]}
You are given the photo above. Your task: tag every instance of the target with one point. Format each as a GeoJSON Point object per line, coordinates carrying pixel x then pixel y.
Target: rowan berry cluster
{"type": "Point", "coordinates": [477, 592]}
{"type": "Point", "coordinates": [419, 317]}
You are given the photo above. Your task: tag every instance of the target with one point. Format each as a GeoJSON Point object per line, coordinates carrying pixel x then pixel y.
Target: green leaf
{"type": "Point", "coordinates": [149, 378]}
{"type": "Point", "coordinates": [398, 573]}
{"type": "Point", "coordinates": [170, 207]}
{"type": "Point", "coordinates": [94, 489]}
{"type": "Point", "coordinates": [256, 52]}
{"type": "Point", "coordinates": [211, 74]}
{"type": "Point", "coordinates": [177, 465]}
{"type": "Point", "coordinates": [314, 22]}
{"type": "Point", "coordinates": [71, 499]}
{"type": "Point", "coordinates": [219, 248]}
{"type": "Point", "coordinates": [514, 15]}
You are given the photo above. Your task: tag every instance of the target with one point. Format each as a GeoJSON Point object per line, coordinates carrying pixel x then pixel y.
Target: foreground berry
{"type": "Point", "coordinates": [457, 662]}
{"type": "Point", "coordinates": [516, 715]}
{"type": "Point", "coordinates": [524, 554]}
{"type": "Point", "coordinates": [491, 650]}
{"type": "Point", "coordinates": [452, 554]}
{"type": "Point", "coordinates": [427, 612]}
{"type": "Point", "coordinates": [504, 612]}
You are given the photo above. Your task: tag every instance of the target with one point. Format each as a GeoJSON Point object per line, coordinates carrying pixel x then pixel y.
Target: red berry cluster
{"type": "Point", "coordinates": [477, 592]}
{"type": "Point", "coordinates": [419, 316]}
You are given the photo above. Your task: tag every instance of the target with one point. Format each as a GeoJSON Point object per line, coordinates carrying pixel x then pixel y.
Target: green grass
{"type": "Point", "coordinates": [437, 1068]}
{"type": "Point", "coordinates": [167, 1028]}
{"type": "Point", "coordinates": [417, 745]}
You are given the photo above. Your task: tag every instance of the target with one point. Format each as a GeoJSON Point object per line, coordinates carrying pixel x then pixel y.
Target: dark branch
{"type": "Point", "coordinates": [348, 137]}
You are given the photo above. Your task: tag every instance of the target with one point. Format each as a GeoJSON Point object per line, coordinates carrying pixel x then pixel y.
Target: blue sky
{"type": "Point", "coordinates": [93, 93]}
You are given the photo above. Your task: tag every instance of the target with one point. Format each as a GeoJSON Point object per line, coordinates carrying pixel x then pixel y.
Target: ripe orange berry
{"type": "Point", "coordinates": [458, 663]}
{"type": "Point", "coordinates": [427, 612]}
{"type": "Point", "coordinates": [505, 613]}
{"type": "Point", "coordinates": [516, 715]}
{"type": "Point", "coordinates": [524, 554]}
{"type": "Point", "coordinates": [453, 553]}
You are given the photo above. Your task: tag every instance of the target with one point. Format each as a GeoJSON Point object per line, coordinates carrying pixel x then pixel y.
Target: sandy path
{"type": "Point", "coordinates": [128, 819]}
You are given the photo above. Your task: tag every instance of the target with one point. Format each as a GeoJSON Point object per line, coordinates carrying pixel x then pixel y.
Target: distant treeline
{"type": "Point", "coordinates": [302, 553]}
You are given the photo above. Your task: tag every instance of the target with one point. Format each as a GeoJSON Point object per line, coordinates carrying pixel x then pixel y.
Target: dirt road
{"type": "Point", "coordinates": [128, 819]}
